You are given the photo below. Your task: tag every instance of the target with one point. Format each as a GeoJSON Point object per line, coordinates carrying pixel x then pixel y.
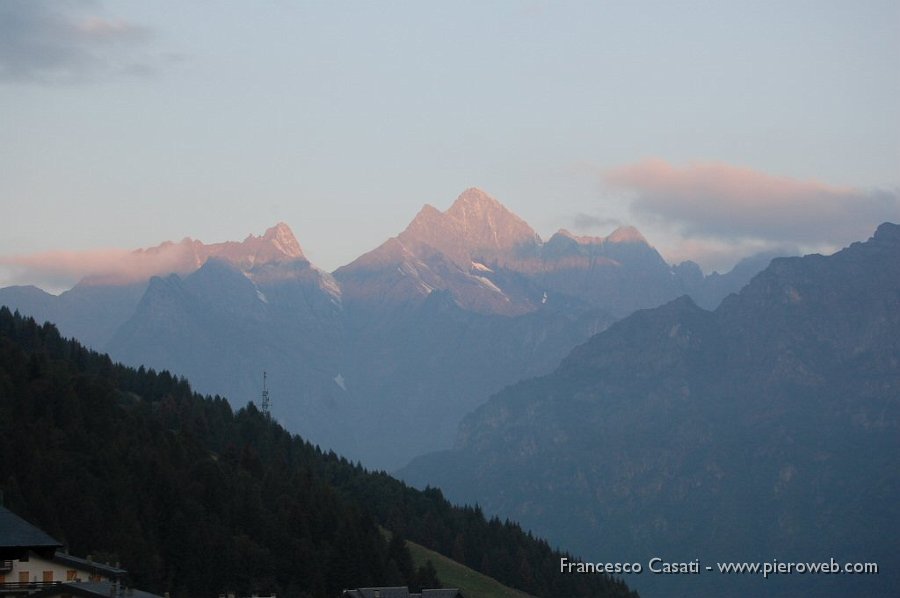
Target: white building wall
{"type": "Point", "coordinates": [36, 567]}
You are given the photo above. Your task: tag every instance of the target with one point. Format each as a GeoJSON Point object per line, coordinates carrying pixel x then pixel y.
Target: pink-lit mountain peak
{"type": "Point", "coordinates": [474, 202]}
{"type": "Point", "coordinates": [626, 234]}
{"type": "Point", "coordinates": [277, 242]}
{"type": "Point", "coordinates": [475, 210]}
{"type": "Point", "coordinates": [475, 224]}
{"type": "Point", "coordinates": [276, 245]}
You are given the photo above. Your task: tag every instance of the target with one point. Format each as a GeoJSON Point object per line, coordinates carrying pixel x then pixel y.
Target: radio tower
{"type": "Point", "coordinates": [265, 398]}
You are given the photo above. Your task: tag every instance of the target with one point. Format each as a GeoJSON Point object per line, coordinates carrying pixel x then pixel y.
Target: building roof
{"type": "Point", "coordinates": [393, 592]}
{"type": "Point", "coordinates": [90, 566]}
{"type": "Point", "coordinates": [17, 537]}
{"type": "Point", "coordinates": [92, 590]}
{"type": "Point", "coordinates": [400, 592]}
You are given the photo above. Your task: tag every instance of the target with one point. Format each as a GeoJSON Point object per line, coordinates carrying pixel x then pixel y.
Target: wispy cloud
{"type": "Point", "coordinates": [60, 270]}
{"type": "Point", "coordinates": [734, 204]}
{"type": "Point", "coordinates": [65, 43]}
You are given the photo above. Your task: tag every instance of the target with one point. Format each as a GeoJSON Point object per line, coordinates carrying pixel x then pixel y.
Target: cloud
{"type": "Point", "coordinates": [728, 203]}
{"type": "Point", "coordinates": [61, 43]}
{"type": "Point", "coordinates": [719, 255]}
{"type": "Point", "coordinates": [111, 30]}
{"type": "Point", "coordinates": [60, 270]}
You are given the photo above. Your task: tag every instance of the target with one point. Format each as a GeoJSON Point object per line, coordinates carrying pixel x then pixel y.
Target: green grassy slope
{"type": "Point", "coordinates": [452, 574]}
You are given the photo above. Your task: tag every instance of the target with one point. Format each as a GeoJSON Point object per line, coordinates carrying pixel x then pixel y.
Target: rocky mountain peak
{"type": "Point", "coordinates": [428, 218]}
{"type": "Point", "coordinates": [486, 224]}
{"type": "Point", "coordinates": [277, 244]}
{"type": "Point", "coordinates": [475, 226]}
{"type": "Point", "coordinates": [282, 238]}
{"type": "Point", "coordinates": [474, 200]}
{"type": "Point", "coordinates": [626, 234]}
{"type": "Point", "coordinates": [888, 233]}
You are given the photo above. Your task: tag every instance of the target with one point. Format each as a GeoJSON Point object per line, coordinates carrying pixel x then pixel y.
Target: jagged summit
{"type": "Point", "coordinates": [478, 228]}
{"type": "Point", "coordinates": [453, 250]}
{"type": "Point", "coordinates": [475, 226]}
{"type": "Point", "coordinates": [488, 224]}
{"type": "Point", "coordinates": [478, 249]}
{"type": "Point", "coordinates": [626, 234]}
{"type": "Point", "coordinates": [282, 237]}
{"type": "Point", "coordinates": [473, 200]}
{"type": "Point", "coordinates": [887, 232]}
{"type": "Point", "coordinates": [277, 244]}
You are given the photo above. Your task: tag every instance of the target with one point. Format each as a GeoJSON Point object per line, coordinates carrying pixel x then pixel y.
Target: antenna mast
{"type": "Point", "coordinates": [265, 397]}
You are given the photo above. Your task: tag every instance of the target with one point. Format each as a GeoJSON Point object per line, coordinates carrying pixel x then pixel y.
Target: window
{"type": "Point", "coordinates": [23, 577]}
{"type": "Point", "coordinates": [47, 577]}
{"type": "Point", "coordinates": [71, 574]}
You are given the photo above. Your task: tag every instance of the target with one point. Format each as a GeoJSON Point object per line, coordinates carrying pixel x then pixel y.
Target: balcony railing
{"type": "Point", "coordinates": [21, 587]}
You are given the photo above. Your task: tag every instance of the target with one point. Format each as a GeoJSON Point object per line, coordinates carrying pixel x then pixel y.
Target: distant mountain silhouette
{"type": "Point", "coordinates": [766, 429]}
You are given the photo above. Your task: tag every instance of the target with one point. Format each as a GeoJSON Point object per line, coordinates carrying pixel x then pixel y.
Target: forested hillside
{"type": "Point", "coordinates": [132, 466]}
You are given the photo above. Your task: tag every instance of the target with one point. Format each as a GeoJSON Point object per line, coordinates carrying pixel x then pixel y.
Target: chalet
{"type": "Point", "coordinates": [34, 568]}
{"type": "Point", "coordinates": [32, 565]}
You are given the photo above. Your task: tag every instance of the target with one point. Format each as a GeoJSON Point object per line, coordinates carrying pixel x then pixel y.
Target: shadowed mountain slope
{"type": "Point", "coordinates": [767, 429]}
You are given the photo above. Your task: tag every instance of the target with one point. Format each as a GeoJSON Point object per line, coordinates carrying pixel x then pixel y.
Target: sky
{"type": "Point", "coordinates": [718, 128]}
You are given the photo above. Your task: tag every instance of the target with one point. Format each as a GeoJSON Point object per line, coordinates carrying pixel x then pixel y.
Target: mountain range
{"type": "Point", "coordinates": [381, 359]}
{"type": "Point", "coordinates": [767, 429]}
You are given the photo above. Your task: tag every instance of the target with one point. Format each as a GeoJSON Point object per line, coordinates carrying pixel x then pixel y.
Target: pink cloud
{"type": "Point", "coordinates": [111, 29]}
{"type": "Point", "coordinates": [717, 200]}
{"type": "Point", "coordinates": [59, 270]}
{"type": "Point", "coordinates": [62, 269]}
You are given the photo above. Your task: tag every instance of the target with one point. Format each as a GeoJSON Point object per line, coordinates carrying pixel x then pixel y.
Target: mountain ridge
{"type": "Point", "coordinates": [768, 428]}
{"type": "Point", "coordinates": [417, 333]}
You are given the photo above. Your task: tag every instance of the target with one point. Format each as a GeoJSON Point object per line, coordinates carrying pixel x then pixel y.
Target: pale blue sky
{"type": "Point", "coordinates": [129, 123]}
